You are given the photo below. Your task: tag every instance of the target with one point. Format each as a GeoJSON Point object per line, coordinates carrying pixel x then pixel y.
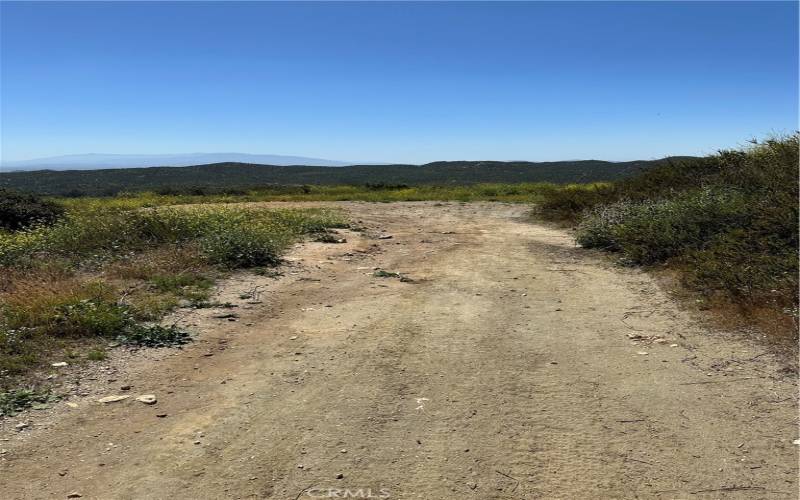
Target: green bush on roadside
{"type": "Point", "coordinates": [728, 220]}
{"type": "Point", "coordinates": [20, 210]}
{"type": "Point", "coordinates": [653, 231]}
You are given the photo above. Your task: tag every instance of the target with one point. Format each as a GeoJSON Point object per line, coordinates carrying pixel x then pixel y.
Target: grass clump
{"type": "Point", "coordinates": [69, 308]}
{"type": "Point", "coordinates": [97, 355]}
{"type": "Point", "coordinates": [184, 284]}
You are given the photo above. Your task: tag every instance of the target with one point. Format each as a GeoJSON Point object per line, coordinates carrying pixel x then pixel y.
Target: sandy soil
{"type": "Point", "coordinates": [505, 369]}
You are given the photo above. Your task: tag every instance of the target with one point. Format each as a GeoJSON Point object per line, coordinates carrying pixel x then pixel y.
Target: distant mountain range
{"type": "Point", "coordinates": [98, 160]}
{"type": "Point", "coordinates": [243, 176]}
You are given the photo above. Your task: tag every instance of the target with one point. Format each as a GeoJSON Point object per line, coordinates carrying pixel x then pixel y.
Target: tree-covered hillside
{"type": "Point", "coordinates": [241, 175]}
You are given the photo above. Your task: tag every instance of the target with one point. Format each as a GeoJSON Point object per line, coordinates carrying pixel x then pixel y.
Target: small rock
{"type": "Point", "coordinates": [59, 364]}
{"type": "Point", "coordinates": [385, 237]}
{"type": "Point", "coordinates": [21, 425]}
{"type": "Point", "coordinates": [673, 345]}
{"type": "Point", "coordinates": [225, 315]}
{"type": "Point", "coordinates": [161, 415]}
{"type": "Point", "coordinates": [74, 494]}
{"type": "Point", "coordinates": [71, 404]}
{"type": "Point", "coordinates": [339, 476]}
{"type": "Point", "coordinates": [112, 399]}
{"type": "Point", "coordinates": [293, 337]}
{"type": "Point", "coordinates": [641, 353]}
{"type": "Point", "coordinates": [343, 450]}
{"type": "Point", "coordinates": [125, 388]}
{"type": "Point", "coordinates": [148, 399]}
{"type": "Point", "coordinates": [300, 466]}
{"type": "Point", "coordinates": [660, 341]}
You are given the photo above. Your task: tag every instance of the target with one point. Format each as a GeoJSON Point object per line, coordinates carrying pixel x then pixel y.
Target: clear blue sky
{"type": "Point", "coordinates": [405, 82]}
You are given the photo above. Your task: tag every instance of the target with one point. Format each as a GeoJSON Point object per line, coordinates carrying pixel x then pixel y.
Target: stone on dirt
{"type": "Point", "coordinates": [112, 399]}
{"type": "Point", "coordinates": [148, 399]}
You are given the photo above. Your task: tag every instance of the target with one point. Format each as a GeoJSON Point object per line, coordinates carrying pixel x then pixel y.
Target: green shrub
{"type": "Point", "coordinates": [750, 269]}
{"type": "Point", "coordinates": [240, 246]}
{"type": "Point", "coordinates": [19, 210]}
{"type": "Point", "coordinates": [90, 318]}
{"type": "Point", "coordinates": [568, 202]}
{"type": "Point", "coordinates": [653, 231]}
{"type": "Point", "coordinates": [598, 227]}
{"type": "Point", "coordinates": [730, 221]}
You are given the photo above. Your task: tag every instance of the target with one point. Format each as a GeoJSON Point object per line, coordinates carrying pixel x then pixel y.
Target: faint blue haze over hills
{"type": "Point", "coordinates": [98, 160]}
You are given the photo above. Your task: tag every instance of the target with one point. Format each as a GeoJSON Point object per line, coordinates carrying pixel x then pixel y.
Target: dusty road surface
{"type": "Point", "coordinates": [505, 370]}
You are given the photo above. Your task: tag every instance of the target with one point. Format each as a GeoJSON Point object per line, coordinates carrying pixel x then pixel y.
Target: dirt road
{"type": "Point", "coordinates": [503, 370]}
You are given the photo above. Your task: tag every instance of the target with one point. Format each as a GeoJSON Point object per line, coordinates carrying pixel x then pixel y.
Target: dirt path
{"type": "Point", "coordinates": [505, 370]}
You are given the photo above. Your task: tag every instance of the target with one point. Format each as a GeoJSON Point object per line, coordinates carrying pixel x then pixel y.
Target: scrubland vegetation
{"type": "Point", "coordinates": [100, 274]}
{"type": "Point", "coordinates": [80, 273]}
{"type": "Point", "coordinates": [516, 193]}
{"type": "Point", "coordinates": [728, 222]}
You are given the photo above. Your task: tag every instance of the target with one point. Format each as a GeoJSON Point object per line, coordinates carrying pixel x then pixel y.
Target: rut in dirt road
{"type": "Point", "coordinates": [503, 370]}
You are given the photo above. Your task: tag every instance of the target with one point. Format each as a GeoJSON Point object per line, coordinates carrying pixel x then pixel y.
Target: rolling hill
{"type": "Point", "coordinates": [244, 175]}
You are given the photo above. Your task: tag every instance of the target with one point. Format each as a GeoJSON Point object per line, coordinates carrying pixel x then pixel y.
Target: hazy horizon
{"type": "Point", "coordinates": [396, 82]}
